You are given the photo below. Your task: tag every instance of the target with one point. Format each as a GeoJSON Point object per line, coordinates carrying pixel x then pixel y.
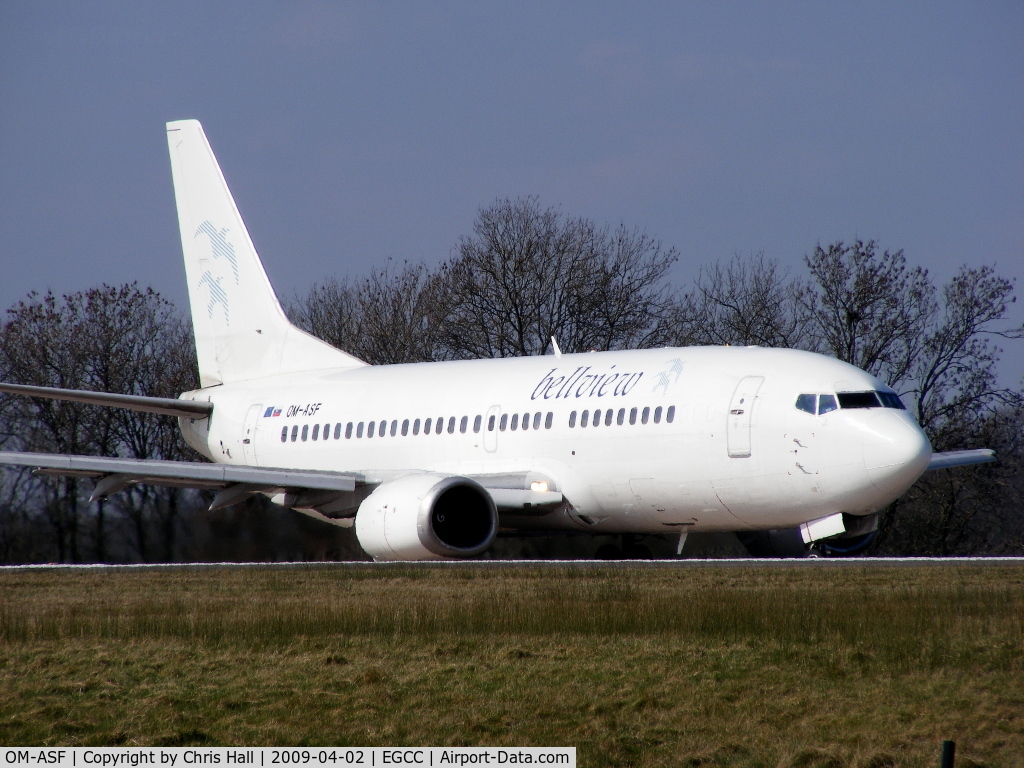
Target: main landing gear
{"type": "Point", "coordinates": [630, 549]}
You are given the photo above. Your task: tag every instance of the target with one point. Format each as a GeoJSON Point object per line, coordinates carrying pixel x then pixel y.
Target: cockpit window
{"type": "Point", "coordinates": [819, 404]}
{"type": "Point", "coordinates": [858, 400]}
{"type": "Point", "coordinates": [891, 400]}
{"type": "Point", "coordinates": [807, 403]}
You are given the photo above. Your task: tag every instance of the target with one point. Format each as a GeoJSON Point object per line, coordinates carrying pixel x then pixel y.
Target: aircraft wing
{"type": "Point", "coordinates": [232, 483]}
{"type": "Point", "coordinates": [961, 458]}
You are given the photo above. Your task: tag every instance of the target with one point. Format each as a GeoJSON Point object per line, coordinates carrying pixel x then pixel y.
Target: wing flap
{"type": "Point", "coordinates": [509, 499]}
{"type": "Point", "coordinates": [531, 493]}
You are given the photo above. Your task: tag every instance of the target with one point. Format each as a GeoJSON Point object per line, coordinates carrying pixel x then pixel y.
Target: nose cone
{"type": "Point", "coordinates": [896, 452]}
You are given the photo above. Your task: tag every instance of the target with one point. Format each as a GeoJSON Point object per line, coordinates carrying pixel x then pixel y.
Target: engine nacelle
{"type": "Point", "coordinates": [427, 517]}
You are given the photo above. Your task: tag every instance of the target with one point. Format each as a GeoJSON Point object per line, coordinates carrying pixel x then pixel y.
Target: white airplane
{"type": "Point", "coordinates": [431, 460]}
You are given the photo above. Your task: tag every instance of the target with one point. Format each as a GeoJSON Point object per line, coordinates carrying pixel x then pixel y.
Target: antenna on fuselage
{"type": "Point", "coordinates": [554, 346]}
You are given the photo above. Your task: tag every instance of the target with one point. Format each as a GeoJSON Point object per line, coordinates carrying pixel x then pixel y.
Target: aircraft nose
{"type": "Point", "coordinates": [896, 452]}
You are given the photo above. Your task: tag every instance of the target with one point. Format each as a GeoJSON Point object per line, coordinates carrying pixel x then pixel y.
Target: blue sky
{"type": "Point", "coordinates": [352, 133]}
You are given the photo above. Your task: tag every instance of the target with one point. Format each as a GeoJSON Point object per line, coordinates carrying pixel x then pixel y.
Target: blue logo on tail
{"type": "Point", "coordinates": [220, 248]}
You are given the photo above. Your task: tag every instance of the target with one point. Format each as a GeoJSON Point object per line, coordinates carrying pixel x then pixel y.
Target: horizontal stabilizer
{"type": "Point", "coordinates": [168, 406]}
{"type": "Point", "coordinates": [961, 458]}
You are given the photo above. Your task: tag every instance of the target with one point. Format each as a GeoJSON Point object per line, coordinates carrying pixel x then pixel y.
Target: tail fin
{"type": "Point", "coordinates": [240, 329]}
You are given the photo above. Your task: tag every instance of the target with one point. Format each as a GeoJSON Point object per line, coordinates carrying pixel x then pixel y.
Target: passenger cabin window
{"type": "Point", "coordinates": [405, 427]}
{"type": "Point", "coordinates": [463, 424]}
{"type": "Point", "coordinates": [451, 425]}
{"type": "Point", "coordinates": [670, 414]}
{"type": "Point", "coordinates": [337, 430]}
{"type": "Point", "coordinates": [476, 422]}
{"type": "Point", "coordinates": [284, 434]}
{"type": "Point", "coordinates": [572, 419]}
{"type": "Point", "coordinates": [295, 431]}
{"type": "Point", "coordinates": [548, 419]}
{"type": "Point", "coordinates": [305, 432]}
{"type": "Point", "coordinates": [536, 419]}
{"type": "Point", "coordinates": [348, 431]}
{"type": "Point", "coordinates": [584, 418]}
{"type": "Point", "coordinates": [490, 423]}
{"type": "Point", "coordinates": [316, 432]}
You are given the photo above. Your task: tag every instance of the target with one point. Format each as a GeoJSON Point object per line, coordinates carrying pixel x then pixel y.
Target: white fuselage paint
{"type": "Point", "coordinates": [771, 466]}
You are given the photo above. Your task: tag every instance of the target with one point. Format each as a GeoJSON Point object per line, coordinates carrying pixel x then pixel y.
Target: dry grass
{"type": "Point", "coordinates": [697, 667]}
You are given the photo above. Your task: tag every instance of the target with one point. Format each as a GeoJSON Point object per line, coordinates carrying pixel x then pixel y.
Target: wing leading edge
{"type": "Point", "coordinates": [328, 493]}
{"type": "Point", "coordinates": [232, 483]}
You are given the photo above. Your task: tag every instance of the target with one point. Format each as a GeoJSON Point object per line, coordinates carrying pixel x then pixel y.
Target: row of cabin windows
{"type": "Point", "coordinates": [619, 417]}
{"type": "Point", "coordinates": [513, 422]}
{"type": "Point", "coordinates": [437, 426]}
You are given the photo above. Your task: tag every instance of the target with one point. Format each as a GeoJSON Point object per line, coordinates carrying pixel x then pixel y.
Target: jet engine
{"type": "Point", "coordinates": [427, 517]}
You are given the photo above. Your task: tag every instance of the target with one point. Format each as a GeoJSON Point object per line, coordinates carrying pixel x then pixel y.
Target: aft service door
{"type": "Point", "coordinates": [741, 412]}
{"type": "Point", "coordinates": [252, 418]}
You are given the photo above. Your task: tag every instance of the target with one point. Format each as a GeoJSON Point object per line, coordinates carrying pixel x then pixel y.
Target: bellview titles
{"type": "Point", "coordinates": [433, 460]}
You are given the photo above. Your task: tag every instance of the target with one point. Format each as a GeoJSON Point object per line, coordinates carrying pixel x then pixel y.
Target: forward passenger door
{"type": "Point", "coordinates": [740, 416]}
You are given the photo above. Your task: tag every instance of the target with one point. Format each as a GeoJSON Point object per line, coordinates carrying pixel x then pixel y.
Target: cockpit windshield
{"type": "Point", "coordinates": [819, 404]}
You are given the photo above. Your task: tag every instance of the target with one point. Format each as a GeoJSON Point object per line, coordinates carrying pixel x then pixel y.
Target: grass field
{"type": "Point", "coordinates": [801, 666]}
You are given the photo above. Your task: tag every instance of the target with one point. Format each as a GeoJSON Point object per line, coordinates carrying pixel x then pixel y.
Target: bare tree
{"type": "Point", "coordinates": [329, 312]}
{"type": "Point", "coordinates": [955, 375]}
{"type": "Point", "coordinates": [42, 345]}
{"type": "Point", "coordinates": [392, 316]}
{"type": "Point", "coordinates": [529, 273]}
{"type": "Point", "coordinates": [867, 308]}
{"type": "Point", "coordinates": [111, 339]}
{"type": "Point", "coordinates": [745, 302]}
